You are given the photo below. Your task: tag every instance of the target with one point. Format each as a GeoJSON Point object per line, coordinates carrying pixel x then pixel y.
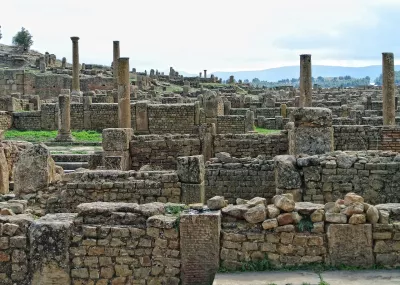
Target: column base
{"type": "Point", "coordinates": [64, 138]}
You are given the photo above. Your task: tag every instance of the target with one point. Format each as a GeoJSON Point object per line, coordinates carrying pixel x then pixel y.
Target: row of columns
{"type": "Point", "coordinates": [388, 86]}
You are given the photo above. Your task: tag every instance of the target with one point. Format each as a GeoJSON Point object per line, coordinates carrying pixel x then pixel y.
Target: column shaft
{"type": "Point", "coordinates": [388, 89]}
{"type": "Point", "coordinates": [124, 103]}
{"type": "Point", "coordinates": [305, 81]}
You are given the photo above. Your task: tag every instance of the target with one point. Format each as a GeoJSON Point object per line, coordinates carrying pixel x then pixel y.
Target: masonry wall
{"type": "Point", "coordinates": [231, 124]}
{"type": "Point", "coordinates": [5, 120]}
{"type": "Point", "coordinates": [162, 150]}
{"type": "Point", "coordinates": [111, 186]}
{"type": "Point", "coordinates": [174, 118]}
{"type": "Point", "coordinates": [252, 145]}
{"type": "Point", "coordinates": [240, 178]}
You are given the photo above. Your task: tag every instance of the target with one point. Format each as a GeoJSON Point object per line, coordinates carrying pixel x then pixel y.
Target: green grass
{"type": "Point", "coordinates": [46, 136]}
{"type": "Point", "coordinates": [265, 131]}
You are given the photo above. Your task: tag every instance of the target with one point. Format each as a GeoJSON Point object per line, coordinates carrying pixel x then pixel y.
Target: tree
{"type": "Point", "coordinates": [23, 39]}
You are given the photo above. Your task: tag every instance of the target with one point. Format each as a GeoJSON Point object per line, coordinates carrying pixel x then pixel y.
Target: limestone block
{"type": "Point", "coordinates": [287, 176]}
{"type": "Point", "coordinates": [4, 173]}
{"type": "Point", "coordinates": [311, 117]}
{"type": "Point", "coordinates": [192, 193]}
{"type": "Point", "coordinates": [116, 139]}
{"type": "Point", "coordinates": [191, 169]}
{"type": "Point", "coordinates": [310, 141]}
{"type": "Point", "coordinates": [350, 245]}
{"type": "Point", "coordinates": [34, 170]}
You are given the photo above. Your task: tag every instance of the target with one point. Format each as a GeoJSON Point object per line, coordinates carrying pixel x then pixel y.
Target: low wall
{"type": "Point", "coordinates": [231, 124]}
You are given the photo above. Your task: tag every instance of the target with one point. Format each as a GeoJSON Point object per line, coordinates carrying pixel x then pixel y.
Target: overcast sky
{"type": "Point", "coordinates": [218, 35]}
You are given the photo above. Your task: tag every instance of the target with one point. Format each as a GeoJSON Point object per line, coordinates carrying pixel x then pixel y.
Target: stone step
{"type": "Point", "coordinates": [71, 157]}
{"type": "Point", "coordinates": [72, 165]}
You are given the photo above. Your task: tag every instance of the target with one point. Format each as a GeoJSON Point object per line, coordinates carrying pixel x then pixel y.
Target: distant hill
{"type": "Point", "coordinates": [289, 72]}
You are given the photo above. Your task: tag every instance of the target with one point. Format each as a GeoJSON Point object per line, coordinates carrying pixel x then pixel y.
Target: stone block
{"type": "Point", "coordinates": [310, 141]}
{"type": "Point", "coordinates": [311, 117]}
{"type": "Point", "coordinates": [192, 193]}
{"type": "Point", "coordinates": [191, 169]}
{"type": "Point", "coordinates": [350, 245]}
{"type": "Point", "coordinates": [116, 139]}
{"type": "Point", "coordinates": [287, 176]}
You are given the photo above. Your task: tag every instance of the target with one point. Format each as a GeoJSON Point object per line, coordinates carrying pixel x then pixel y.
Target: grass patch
{"type": "Point", "coordinates": [46, 136]}
{"type": "Point", "coordinates": [265, 131]}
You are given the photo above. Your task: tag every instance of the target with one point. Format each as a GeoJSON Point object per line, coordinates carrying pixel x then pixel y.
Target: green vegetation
{"type": "Point", "coordinates": [323, 82]}
{"type": "Point", "coordinates": [176, 211]}
{"type": "Point", "coordinates": [46, 136]}
{"type": "Point", "coordinates": [265, 131]}
{"type": "Point", "coordinates": [305, 224]}
{"type": "Point", "coordinates": [378, 81]}
{"type": "Point", "coordinates": [23, 39]}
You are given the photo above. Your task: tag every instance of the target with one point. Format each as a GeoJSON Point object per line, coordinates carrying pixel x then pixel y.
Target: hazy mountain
{"type": "Point", "coordinates": [289, 72]}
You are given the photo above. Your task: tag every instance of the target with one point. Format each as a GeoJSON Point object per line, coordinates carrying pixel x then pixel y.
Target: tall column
{"type": "Point", "coordinates": [205, 73]}
{"type": "Point", "coordinates": [388, 89]}
{"type": "Point", "coordinates": [115, 63]}
{"type": "Point", "coordinates": [305, 81]}
{"type": "Point", "coordinates": [76, 90]}
{"type": "Point", "coordinates": [124, 100]}
{"type": "Point", "coordinates": [64, 118]}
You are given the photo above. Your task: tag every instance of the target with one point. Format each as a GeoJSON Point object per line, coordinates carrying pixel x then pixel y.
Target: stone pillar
{"type": "Point", "coordinates": [142, 119]}
{"type": "Point", "coordinates": [200, 246]}
{"type": "Point", "coordinates": [124, 94]}
{"type": "Point", "coordinates": [227, 108]}
{"type": "Point", "coordinates": [87, 123]}
{"type": "Point", "coordinates": [207, 133]}
{"type": "Point", "coordinates": [49, 261]}
{"type": "Point", "coordinates": [249, 121]}
{"type": "Point", "coordinates": [42, 64]}
{"type": "Point", "coordinates": [200, 74]}
{"type": "Point", "coordinates": [211, 106]}
{"type": "Point", "coordinates": [388, 89]}
{"type": "Point", "coordinates": [63, 63]}
{"type": "Point", "coordinates": [205, 73]}
{"type": "Point", "coordinates": [190, 170]}
{"type": "Point", "coordinates": [311, 131]}
{"type": "Point", "coordinates": [76, 90]}
{"type": "Point", "coordinates": [284, 110]}
{"type": "Point", "coordinates": [305, 81]}
{"type": "Point", "coordinates": [115, 144]}
{"type": "Point", "coordinates": [116, 55]}
{"type": "Point", "coordinates": [64, 118]}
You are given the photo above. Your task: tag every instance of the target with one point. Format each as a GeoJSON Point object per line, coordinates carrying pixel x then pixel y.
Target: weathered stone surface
{"type": "Point", "coordinates": [306, 208]}
{"type": "Point", "coordinates": [312, 117]}
{"type": "Point", "coordinates": [350, 198]}
{"type": "Point", "coordinates": [357, 219]}
{"type": "Point", "coordinates": [191, 169]}
{"type": "Point", "coordinates": [349, 241]}
{"type": "Point", "coordinates": [345, 160]}
{"type": "Point", "coordinates": [372, 215]}
{"type": "Point", "coordinates": [116, 139]}
{"type": "Point", "coordinates": [236, 211]}
{"type": "Point", "coordinates": [285, 219]}
{"type": "Point", "coordinates": [4, 173]}
{"type": "Point", "coordinates": [284, 203]}
{"type": "Point", "coordinates": [257, 201]}
{"type": "Point", "coordinates": [273, 211]}
{"type": "Point", "coordinates": [34, 170]}
{"type": "Point", "coordinates": [255, 214]}
{"type": "Point", "coordinates": [318, 216]}
{"type": "Point", "coordinates": [270, 224]}
{"type": "Point", "coordinates": [216, 203]}
{"type": "Point", "coordinates": [162, 222]}
{"type": "Point", "coordinates": [336, 218]}
{"type": "Point", "coordinates": [354, 208]}
{"type": "Point", "coordinates": [286, 174]}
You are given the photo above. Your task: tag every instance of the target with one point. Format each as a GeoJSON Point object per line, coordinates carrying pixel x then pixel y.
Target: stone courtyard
{"type": "Point", "coordinates": [183, 186]}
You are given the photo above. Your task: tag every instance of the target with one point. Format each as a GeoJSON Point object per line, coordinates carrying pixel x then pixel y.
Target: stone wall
{"type": "Point", "coordinates": [231, 124]}
{"type": "Point", "coordinates": [110, 186]}
{"type": "Point", "coordinates": [239, 178]}
{"type": "Point", "coordinates": [252, 145]}
{"type": "Point", "coordinates": [5, 120]}
{"type": "Point", "coordinates": [27, 120]}
{"type": "Point", "coordinates": [11, 81]}
{"type": "Point", "coordinates": [173, 118]}
{"type": "Point", "coordinates": [162, 150]}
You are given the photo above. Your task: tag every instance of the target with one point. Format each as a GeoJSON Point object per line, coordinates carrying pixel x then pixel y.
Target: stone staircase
{"type": "Point", "coordinates": [71, 162]}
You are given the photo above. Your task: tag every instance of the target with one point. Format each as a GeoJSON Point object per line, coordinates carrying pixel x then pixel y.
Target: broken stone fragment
{"type": "Point", "coordinates": [284, 203]}
{"type": "Point", "coordinates": [270, 224]}
{"type": "Point", "coordinates": [216, 203]}
{"type": "Point", "coordinates": [255, 214]}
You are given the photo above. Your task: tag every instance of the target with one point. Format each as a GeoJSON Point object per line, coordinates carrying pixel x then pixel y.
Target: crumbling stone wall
{"type": "Point", "coordinates": [27, 120]}
{"type": "Point", "coordinates": [244, 145]}
{"type": "Point", "coordinates": [5, 120]}
{"type": "Point", "coordinates": [11, 81]}
{"type": "Point", "coordinates": [231, 124]}
{"type": "Point", "coordinates": [239, 178]}
{"type": "Point", "coordinates": [162, 150]}
{"type": "Point", "coordinates": [176, 118]}
{"type": "Point", "coordinates": [110, 186]}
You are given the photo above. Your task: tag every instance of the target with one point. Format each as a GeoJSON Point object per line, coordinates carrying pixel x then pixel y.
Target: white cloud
{"type": "Point", "coordinates": [189, 35]}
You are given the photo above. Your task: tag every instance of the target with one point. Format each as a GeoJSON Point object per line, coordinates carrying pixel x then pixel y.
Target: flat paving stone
{"type": "Point", "coordinates": [364, 277]}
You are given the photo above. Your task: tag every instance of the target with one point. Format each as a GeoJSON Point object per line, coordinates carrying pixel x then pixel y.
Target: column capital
{"type": "Point", "coordinates": [75, 39]}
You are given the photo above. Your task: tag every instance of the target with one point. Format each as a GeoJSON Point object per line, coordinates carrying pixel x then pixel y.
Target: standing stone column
{"type": "Point", "coordinates": [305, 81]}
{"type": "Point", "coordinates": [63, 63]}
{"type": "Point", "coordinates": [388, 89]}
{"type": "Point", "coordinates": [76, 90]}
{"type": "Point", "coordinates": [124, 94]}
{"type": "Point", "coordinates": [200, 74]}
{"type": "Point", "coordinates": [116, 56]}
{"type": "Point", "coordinates": [64, 118]}
{"type": "Point", "coordinates": [42, 64]}
{"type": "Point", "coordinates": [205, 73]}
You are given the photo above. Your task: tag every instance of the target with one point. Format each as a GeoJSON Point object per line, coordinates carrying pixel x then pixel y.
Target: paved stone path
{"type": "Point", "coordinates": [377, 277]}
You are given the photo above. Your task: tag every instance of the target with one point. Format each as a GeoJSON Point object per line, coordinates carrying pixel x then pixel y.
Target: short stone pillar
{"type": "Point", "coordinates": [207, 133]}
{"type": "Point", "coordinates": [190, 170]}
{"type": "Point", "coordinates": [124, 94]}
{"type": "Point", "coordinates": [49, 261]}
{"type": "Point", "coordinates": [227, 107]}
{"type": "Point", "coordinates": [76, 89]}
{"type": "Point", "coordinates": [116, 55]}
{"type": "Point", "coordinates": [284, 110]}
{"type": "Point", "coordinates": [63, 63]}
{"type": "Point", "coordinates": [200, 247]}
{"type": "Point", "coordinates": [305, 81]}
{"type": "Point", "coordinates": [249, 121]}
{"type": "Point", "coordinates": [186, 88]}
{"type": "Point", "coordinates": [47, 58]}
{"type": "Point", "coordinates": [142, 118]}
{"type": "Point", "coordinates": [200, 74]}
{"type": "Point", "coordinates": [87, 122]}
{"type": "Point", "coordinates": [210, 101]}
{"type": "Point", "coordinates": [231, 79]}
{"type": "Point", "coordinates": [116, 148]}
{"type": "Point", "coordinates": [42, 64]}
{"type": "Point", "coordinates": [205, 73]}
{"type": "Point", "coordinates": [311, 131]}
{"type": "Point", "coordinates": [64, 118]}
{"type": "Point", "coordinates": [287, 176]}
{"type": "Point", "coordinates": [297, 101]}
{"type": "Point", "coordinates": [388, 89]}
